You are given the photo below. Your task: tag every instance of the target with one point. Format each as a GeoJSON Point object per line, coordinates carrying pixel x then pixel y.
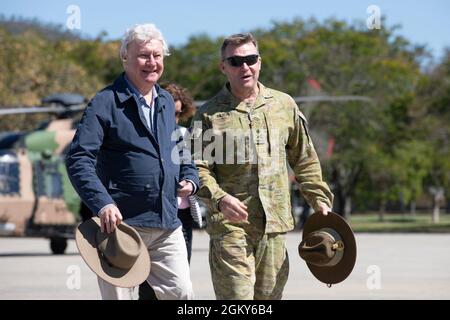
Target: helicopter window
{"type": "Point", "coordinates": [9, 174]}
{"type": "Point", "coordinates": [8, 139]}
{"type": "Point", "coordinates": [47, 179]}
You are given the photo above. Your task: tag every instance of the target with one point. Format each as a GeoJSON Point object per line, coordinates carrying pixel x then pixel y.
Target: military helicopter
{"type": "Point", "coordinates": [36, 196]}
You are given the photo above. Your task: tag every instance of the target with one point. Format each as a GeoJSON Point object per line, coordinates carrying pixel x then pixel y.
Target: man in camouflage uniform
{"type": "Point", "coordinates": [242, 138]}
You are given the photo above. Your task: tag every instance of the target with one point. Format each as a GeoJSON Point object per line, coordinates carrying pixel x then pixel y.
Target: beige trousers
{"type": "Point", "coordinates": [169, 271]}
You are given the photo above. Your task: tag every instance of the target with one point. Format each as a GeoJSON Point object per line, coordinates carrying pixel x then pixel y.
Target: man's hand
{"type": "Point", "coordinates": [233, 209]}
{"type": "Point", "coordinates": [323, 209]}
{"type": "Point", "coordinates": [186, 189]}
{"type": "Point", "coordinates": [110, 217]}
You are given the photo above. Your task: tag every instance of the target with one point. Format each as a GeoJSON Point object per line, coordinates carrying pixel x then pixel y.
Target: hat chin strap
{"type": "Point", "coordinates": [338, 246]}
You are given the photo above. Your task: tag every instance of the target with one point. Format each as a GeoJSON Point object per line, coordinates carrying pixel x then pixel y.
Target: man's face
{"type": "Point", "coordinates": [144, 63]}
{"type": "Point", "coordinates": [244, 77]}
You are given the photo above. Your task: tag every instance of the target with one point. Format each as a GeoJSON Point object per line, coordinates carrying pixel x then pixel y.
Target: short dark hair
{"type": "Point", "coordinates": [237, 40]}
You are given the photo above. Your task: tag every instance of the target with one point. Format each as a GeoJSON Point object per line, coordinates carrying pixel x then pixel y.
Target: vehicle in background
{"type": "Point", "coordinates": [36, 196]}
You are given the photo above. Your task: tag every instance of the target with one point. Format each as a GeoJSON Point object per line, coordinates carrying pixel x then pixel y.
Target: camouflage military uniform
{"type": "Point", "coordinates": [247, 159]}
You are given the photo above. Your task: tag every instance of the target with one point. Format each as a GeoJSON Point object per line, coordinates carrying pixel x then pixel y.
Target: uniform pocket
{"type": "Point", "coordinates": [234, 252]}
{"type": "Point", "coordinates": [224, 121]}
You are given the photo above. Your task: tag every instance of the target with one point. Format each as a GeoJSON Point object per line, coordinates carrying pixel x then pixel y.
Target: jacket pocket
{"type": "Point", "coordinates": [137, 184]}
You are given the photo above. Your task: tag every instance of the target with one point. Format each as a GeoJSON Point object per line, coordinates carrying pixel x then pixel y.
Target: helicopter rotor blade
{"type": "Point", "coordinates": [198, 103]}
{"type": "Point", "coordinates": [332, 99]}
{"type": "Point", "coordinates": [51, 109]}
{"type": "Point", "coordinates": [317, 99]}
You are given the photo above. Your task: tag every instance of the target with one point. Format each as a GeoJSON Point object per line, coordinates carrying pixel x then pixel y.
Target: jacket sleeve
{"type": "Point", "coordinates": [305, 163]}
{"type": "Point", "coordinates": [209, 188]}
{"type": "Point", "coordinates": [81, 158]}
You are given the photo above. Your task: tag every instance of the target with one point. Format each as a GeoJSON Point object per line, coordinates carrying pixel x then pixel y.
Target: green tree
{"type": "Point", "coordinates": [34, 67]}
{"type": "Point", "coordinates": [346, 60]}
{"type": "Point", "coordinates": [432, 116]}
{"type": "Point", "coordinates": [195, 66]}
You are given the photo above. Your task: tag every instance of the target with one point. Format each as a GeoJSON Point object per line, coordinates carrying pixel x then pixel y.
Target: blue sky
{"type": "Point", "coordinates": [423, 22]}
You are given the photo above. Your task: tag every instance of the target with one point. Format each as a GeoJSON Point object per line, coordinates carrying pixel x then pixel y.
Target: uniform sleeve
{"type": "Point", "coordinates": [209, 188]}
{"type": "Point", "coordinates": [305, 163]}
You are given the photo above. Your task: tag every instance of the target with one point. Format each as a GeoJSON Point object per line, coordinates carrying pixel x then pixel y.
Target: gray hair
{"type": "Point", "coordinates": [142, 33]}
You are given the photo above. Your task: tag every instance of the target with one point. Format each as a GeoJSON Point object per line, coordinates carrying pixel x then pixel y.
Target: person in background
{"type": "Point", "coordinates": [188, 207]}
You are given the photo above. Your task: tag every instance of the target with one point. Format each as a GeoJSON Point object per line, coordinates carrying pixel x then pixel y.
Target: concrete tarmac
{"type": "Point", "coordinates": [388, 266]}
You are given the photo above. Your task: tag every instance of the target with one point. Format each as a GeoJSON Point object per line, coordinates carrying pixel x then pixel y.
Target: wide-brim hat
{"type": "Point", "coordinates": [328, 247]}
{"type": "Point", "coordinates": [120, 257]}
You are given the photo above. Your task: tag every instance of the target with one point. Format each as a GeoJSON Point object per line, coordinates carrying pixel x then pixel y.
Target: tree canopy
{"type": "Point", "coordinates": [393, 148]}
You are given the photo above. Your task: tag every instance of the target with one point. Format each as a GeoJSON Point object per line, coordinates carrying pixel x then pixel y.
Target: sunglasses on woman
{"type": "Point", "coordinates": [237, 61]}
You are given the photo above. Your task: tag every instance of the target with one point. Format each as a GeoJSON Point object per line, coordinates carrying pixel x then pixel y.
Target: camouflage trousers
{"type": "Point", "coordinates": [247, 265]}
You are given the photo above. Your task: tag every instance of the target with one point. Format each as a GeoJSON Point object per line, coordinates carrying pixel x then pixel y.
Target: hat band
{"type": "Point", "coordinates": [124, 264]}
{"type": "Point", "coordinates": [338, 246]}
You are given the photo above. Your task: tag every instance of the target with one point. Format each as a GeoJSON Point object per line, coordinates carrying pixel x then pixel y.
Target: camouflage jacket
{"type": "Point", "coordinates": [248, 156]}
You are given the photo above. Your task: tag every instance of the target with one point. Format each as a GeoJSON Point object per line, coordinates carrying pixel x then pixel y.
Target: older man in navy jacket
{"type": "Point", "coordinates": [123, 165]}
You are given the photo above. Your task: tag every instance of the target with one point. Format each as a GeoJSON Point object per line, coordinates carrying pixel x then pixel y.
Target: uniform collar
{"type": "Point", "coordinates": [227, 98]}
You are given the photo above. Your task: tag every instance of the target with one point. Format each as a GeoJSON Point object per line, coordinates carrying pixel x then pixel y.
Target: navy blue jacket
{"type": "Point", "coordinates": [114, 158]}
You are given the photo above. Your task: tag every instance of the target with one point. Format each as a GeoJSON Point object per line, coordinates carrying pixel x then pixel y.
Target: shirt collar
{"type": "Point", "coordinates": [136, 92]}
{"type": "Point", "coordinates": [229, 99]}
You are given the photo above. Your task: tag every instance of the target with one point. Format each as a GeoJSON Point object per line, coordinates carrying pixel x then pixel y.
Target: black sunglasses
{"type": "Point", "coordinates": [237, 61]}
